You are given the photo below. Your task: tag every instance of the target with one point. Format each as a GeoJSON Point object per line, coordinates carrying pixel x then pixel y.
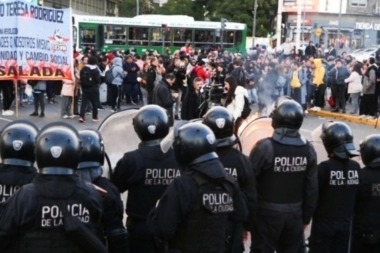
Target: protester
{"type": "Point", "coordinates": [38, 95]}
{"type": "Point", "coordinates": [190, 106]}
{"type": "Point", "coordinates": [355, 87]}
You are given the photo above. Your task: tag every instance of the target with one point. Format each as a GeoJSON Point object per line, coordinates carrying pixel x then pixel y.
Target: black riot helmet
{"type": "Point", "coordinates": [221, 122]}
{"type": "Point", "coordinates": [17, 143]}
{"type": "Point", "coordinates": [287, 114]}
{"type": "Point", "coordinates": [194, 143]}
{"type": "Point", "coordinates": [92, 149]}
{"type": "Point", "coordinates": [58, 149]}
{"type": "Point", "coordinates": [338, 139]}
{"type": "Point", "coordinates": [370, 149]}
{"type": "Point", "coordinates": [151, 123]}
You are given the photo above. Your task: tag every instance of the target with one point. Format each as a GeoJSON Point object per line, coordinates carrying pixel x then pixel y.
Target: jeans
{"type": "Point", "coordinates": [66, 106]}
{"type": "Point", "coordinates": [116, 91]}
{"type": "Point", "coordinates": [338, 94]}
{"type": "Point", "coordinates": [39, 101]}
{"type": "Point", "coordinates": [131, 91]}
{"type": "Point", "coordinates": [319, 95]}
{"type": "Point", "coordinates": [91, 97]}
{"type": "Point", "coordinates": [355, 102]}
{"type": "Point", "coordinates": [144, 97]}
{"type": "Point", "coordinates": [252, 95]}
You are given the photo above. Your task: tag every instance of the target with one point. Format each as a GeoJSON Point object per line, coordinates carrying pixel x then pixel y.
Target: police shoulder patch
{"type": "Point", "coordinates": [17, 145]}
{"type": "Point", "coordinates": [56, 151]}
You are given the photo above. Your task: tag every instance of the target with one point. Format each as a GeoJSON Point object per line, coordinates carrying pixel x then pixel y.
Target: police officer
{"type": "Point", "coordinates": [195, 209]}
{"type": "Point", "coordinates": [57, 212]}
{"type": "Point", "coordinates": [90, 170]}
{"type": "Point", "coordinates": [366, 232]}
{"type": "Point", "coordinates": [145, 173]}
{"type": "Point", "coordinates": [286, 177]}
{"type": "Point", "coordinates": [221, 122]}
{"type": "Point", "coordinates": [17, 155]}
{"type": "Point", "coordinates": [338, 179]}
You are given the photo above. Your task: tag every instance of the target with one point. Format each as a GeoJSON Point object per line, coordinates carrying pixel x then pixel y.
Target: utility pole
{"type": "Point", "coordinates": [299, 15]}
{"type": "Point", "coordinates": [254, 24]}
{"type": "Point", "coordinates": [279, 22]}
{"type": "Point", "coordinates": [304, 21]}
{"type": "Point", "coordinates": [137, 7]}
{"type": "Point", "coordinates": [340, 18]}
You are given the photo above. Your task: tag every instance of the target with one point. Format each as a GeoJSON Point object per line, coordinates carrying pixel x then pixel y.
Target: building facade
{"type": "Point", "coordinates": [359, 26]}
{"type": "Point", "coordinates": [86, 7]}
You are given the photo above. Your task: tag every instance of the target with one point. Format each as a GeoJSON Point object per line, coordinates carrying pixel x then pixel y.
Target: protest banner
{"type": "Point", "coordinates": [35, 41]}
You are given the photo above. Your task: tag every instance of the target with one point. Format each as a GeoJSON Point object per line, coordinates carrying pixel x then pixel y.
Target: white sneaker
{"type": "Point", "coordinates": [65, 116]}
{"type": "Point", "coordinates": [306, 112]}
{"type": "Point", "coordinates": [369, 117]}
{"type": "Point", "coordinates": [8, 113]}
{"type": "Point", "coordinates": [317, 109]}
{"type": "Point", "coordinates": [362, 116]}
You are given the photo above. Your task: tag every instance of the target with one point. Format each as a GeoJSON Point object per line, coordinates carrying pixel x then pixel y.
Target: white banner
{"type": "Point", "coordinates": [35, 42]}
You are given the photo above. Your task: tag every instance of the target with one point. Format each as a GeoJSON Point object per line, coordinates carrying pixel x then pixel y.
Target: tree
{"type": "Point", "coordinates": [176, 7]}
{"type": "Point", "coordinates": [127, 8]}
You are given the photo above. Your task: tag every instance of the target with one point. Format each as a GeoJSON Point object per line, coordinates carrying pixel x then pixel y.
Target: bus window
{"type": "Point", "coordinates": [115, 35]}
{"type": "Point", "coordinates": [75, 35]}
{"type": "Point", "coordinates": [156, 36]}
{"type": "Point", "coordinates": [204, 38]}
{"type": "Point", "coordinates": [138, 36]}
{"type": "Point", "coordinates": [228, 38]}
{"type": "Point", "coordinates": [181, 36]}
{"type": "Point", "coordinates": [238, 36]}
{"type": "Point", "coordinates": [87, 37]}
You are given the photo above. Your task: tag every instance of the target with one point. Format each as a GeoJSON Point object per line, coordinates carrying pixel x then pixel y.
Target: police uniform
{"type": "Point", "coordinates": [145, 173]}
{"type": "Point", "coordinates": [286, 178]}
{"type": "Point", "coordinates": [221, 122]}
{"type": "Point", "coordinates": [56, 212]}
{"type": "Point", "coordinates": [338, 180]}
{"type": "Point", "coordinates": [17, 155]}
{"type": "Point", "coordinates": [90, 171]}
{"type": "Point", "coordinates": [366, 229]}
{"type": "Point", "coordinates": [194, 212]}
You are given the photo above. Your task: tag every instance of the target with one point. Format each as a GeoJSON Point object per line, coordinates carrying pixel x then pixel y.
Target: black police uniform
{"type": "Point", "coordinates": [195, 209]}
{"type": "Point", "coordinates": [366, 230]}
{"type": "Point", "coordinates": [90, 171]}
{"type": "Point", "coordinates": [144, 173]}
{"type": "Point", "coordinates": [338, 180]}
{"type": "Point", "coordinates": [12, 178]}
{"type": "Point", "coordinates": [286, 178]}
{"type": "Point", "coordinates": [32, 219]}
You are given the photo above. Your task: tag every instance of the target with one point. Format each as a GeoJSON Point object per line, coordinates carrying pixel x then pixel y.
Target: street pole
{"type": "Point", "coordinates": [339, 19]}
{"type": "Point", "coordinates": [254, 24]}
{"type": "Point", "coordinates": [279, 22]}
{"type": "Point", "coordinates": [304, 21]}
{"type": "Point", "coordinates": [137, 7]}
{"type": "Point", "coordinates": [299, 15]}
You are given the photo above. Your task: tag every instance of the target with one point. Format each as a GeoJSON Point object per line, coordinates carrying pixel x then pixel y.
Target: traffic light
{"type": "Point", "coordinates": [223, 23]}
{"type": "Point", "coordinates": [163, 28]}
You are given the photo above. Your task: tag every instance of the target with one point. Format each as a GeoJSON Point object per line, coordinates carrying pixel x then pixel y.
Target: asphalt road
{"type": "Point", "coordinates": [52, 113]}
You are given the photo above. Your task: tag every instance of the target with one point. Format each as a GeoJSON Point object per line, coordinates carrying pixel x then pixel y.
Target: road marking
{"type": "Point", "coordinates": [8, 120]}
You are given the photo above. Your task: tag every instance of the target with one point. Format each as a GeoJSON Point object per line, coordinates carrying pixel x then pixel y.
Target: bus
{"type": "Point", "coordinates": [144, 33]}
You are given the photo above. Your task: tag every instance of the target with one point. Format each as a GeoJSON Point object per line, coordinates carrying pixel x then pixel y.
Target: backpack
{"type": "Point", "coordinates": [109, 76]}
{"type": "Point", "coordinates": [246, 110]}
{"type": "Point", "coordinates": [86, 77]}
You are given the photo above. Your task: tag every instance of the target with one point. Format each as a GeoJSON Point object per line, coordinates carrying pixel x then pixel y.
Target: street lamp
{"type": "Point", "coordinates": [254, 24]}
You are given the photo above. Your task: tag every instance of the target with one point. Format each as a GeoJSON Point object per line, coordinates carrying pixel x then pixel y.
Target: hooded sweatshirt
{"type": "Point", "coordinates": [117, 71]}
{"type": "Point", "coordinates": [319, 72]}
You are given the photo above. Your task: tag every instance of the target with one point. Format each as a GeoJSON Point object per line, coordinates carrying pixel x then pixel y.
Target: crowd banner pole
{"type": "Point", "coordinates": [16, 96]}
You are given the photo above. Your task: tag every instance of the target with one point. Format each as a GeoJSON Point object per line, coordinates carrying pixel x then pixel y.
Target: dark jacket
{"type": "Point", "coordinates": [132, 74]}
{"type": "Point", "coordinates": [338, 75]}
{"type": "Point", "coordinates": [162, 96]}
{"type": "Point", "coordinates": [95, 75]}
{"type": "Point", "coordinates": [239, 75]}
{"type": "Point", "coordinates": [310, 50]}
{"type": "Point", "coordinates": [150, 78]}
{"type": "Point", "coordinates": [190, 105]}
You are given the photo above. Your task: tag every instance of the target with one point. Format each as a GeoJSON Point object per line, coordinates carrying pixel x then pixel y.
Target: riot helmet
{"type": "Point", "coordinates": [17, 143]}
{"type": "Point", "coordinates": [92, 149]}
{"type": "Point", "coordinates": [287, 114]}
{"type": "Point", "coordinates": [221, 122]}
{"type": "Point", "coordinates": [151, 123]}
{"type": "Point", "coordinates": [194, 143]}
{"type": "Point", "coordinates": [370, 149]}
{"type": "Point", "coordinates": [58, 149]}
{"type": "Point", "coordinates": [338, 139]}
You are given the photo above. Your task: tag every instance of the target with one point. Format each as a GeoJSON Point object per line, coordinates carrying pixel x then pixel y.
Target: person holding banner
{"type": "Point", "coordinates": [38, 94]}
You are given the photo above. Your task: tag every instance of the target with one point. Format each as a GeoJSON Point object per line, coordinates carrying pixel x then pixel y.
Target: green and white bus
{"type": "Point", "coordinates": [144, 32]}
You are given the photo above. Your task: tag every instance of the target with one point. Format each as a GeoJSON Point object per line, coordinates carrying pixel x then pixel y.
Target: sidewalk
{"type": "Point", "coordinates": [343, 116]}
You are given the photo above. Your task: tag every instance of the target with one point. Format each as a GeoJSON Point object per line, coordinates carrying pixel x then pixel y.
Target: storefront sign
{"type": "Point", "coordinates": [367, 26]}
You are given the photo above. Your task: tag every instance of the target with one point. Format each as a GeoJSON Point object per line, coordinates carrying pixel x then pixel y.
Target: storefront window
{"type": "Point", "coordinates": [138, 36]}
{"type": "Point", "coordinates": [87, 37]}
{"type": "Point", "coordinates": [115, 35]}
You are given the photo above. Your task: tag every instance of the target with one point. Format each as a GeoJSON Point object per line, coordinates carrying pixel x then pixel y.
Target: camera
{"type": "Point", "coordinates": [212, 95]}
